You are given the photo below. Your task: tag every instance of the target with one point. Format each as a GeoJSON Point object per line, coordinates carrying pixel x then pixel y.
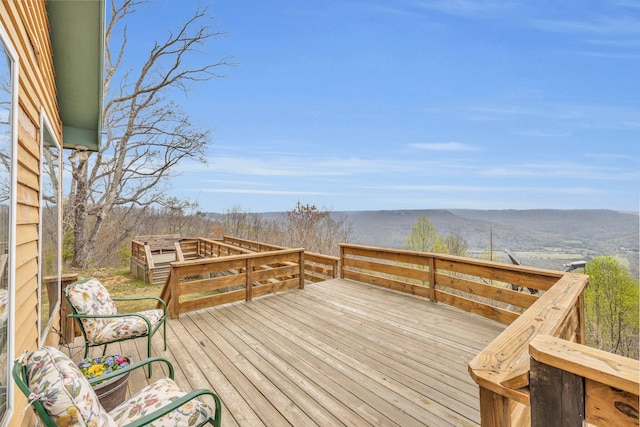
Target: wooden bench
{"type": "Point", "coordinates": [160, 243]}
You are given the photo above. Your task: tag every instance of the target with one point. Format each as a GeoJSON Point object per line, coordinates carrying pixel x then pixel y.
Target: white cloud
{"type": "Point", "coordinates": [258, 191]}
{"type": "Point", "coordinates": [561, 170]}
{"type": "Point", "coordinates": [443, 146]}
{"type": "Point", "coordinates": [465, 7]}
{"type": "Point", "coordinates": [490, 189]}
{"type": "Point", "coordinates": [298, 166]}
{"type": "Point", "coordinates": [604, 27]}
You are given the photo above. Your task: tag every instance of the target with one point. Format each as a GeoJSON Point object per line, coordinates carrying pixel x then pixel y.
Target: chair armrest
{"type": "Point", "coordinates": [147, 419]}
{"type": "Point", "coordinates": [133, 367]}
{"type": "Point", "coordinates": [160, 300]}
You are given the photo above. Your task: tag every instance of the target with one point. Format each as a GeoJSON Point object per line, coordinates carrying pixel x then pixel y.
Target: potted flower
{"type": "Point", "coordinates": [112, 392]}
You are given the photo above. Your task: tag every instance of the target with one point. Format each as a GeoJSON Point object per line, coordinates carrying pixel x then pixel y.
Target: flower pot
{"type": "Point", "coordinates": [113, 392]}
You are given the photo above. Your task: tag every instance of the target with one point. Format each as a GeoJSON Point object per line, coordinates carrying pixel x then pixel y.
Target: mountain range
{"type": "Point", "coordinates": [545, 238]}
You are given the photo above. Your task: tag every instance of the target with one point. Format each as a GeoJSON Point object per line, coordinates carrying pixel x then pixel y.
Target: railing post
{"type": "Point", "coordinates": [495, 409]}
{"type": "Point", "coordinates": [248, 271]}
{"type": "Point", "coordinates": [150, 265]}
{"type": "Point", "coordinates": [432, 279]}
{"type": "Point", "coordinates": [342, 255]}
{"type": "Point", "coordinates": [174, 293]}
{"type": "Point", "coordinates": [581, 327]}
{"type": "Point", "coordinates": [301, 262]}
{"type": "Point", "coordinates": [67, 324]}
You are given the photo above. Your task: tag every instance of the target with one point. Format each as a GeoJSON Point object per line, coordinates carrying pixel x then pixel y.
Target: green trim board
{"type": "Point", "coordinates": [77, 39]}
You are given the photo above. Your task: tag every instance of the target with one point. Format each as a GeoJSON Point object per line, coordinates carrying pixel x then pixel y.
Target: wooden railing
{"type": "Point", "coordinates": [141, 261]}
{"type": "Point", "coordinates": [572, 384]}
{"type": "Point", "coordinates": [317, 267]}
{"type": "Point", "coordinates": [251, 244]}
{"type": "Point", "coordinates": [477, 286]}
{"type": "Point", "coordinates": [207, 282]}
{"type": "Point", "coordinates": [209, 248]}
{"type": "Point", "coordinates": [485, 288]}
{"type": "Point", "coordinates": [501, 369]}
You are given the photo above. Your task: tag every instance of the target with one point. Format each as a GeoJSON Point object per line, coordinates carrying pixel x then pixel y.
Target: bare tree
{"type": "Point", "coordinates": [307, 226]}
{"type": "Point", "coordinates": [147, 134]}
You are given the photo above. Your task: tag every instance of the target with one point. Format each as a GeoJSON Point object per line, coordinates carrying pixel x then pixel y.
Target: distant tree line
{"type": "Point", "coordinates": [304, 226]}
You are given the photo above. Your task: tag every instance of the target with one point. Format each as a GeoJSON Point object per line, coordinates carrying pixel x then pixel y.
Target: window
{"type": "Point", "coordinates": [49, 290]}
{"type": "Point", "coordinates": [8, 141]}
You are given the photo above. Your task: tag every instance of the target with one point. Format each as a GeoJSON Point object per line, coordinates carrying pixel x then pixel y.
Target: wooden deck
{"type": "Point", "coordinates": [335, 353]}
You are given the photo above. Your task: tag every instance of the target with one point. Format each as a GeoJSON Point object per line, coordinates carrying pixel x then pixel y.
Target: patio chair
{"type": "Point", "coordinates": [61, 395]}
{"type": "Point", "coordinates": [100, 322]}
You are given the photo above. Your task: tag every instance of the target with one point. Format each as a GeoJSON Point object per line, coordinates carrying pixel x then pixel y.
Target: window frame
{"type": "Point", "coordinates": [12, 55]}
{"type": "Point", "coordinates": [45, 123]}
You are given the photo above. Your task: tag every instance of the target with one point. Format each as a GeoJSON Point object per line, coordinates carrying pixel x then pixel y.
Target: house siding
{"type": "Point", "coordinates": [27, 25]}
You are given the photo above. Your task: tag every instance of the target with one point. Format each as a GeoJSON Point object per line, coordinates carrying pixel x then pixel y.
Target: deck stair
{"type": "Point", "coordinates": [162, 266]}
{"type": "Point", "coordinates": [151, 256]}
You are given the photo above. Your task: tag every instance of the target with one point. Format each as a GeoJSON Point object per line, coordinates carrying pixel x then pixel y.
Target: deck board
{"type": "Point", "coordinates": [334, 353]}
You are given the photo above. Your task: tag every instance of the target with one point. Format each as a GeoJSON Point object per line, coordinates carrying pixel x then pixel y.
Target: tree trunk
{"type": "Point", "coordinates": [80, 249]}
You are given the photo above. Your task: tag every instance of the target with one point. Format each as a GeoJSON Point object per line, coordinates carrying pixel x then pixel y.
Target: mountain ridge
{"type": "Point", "coordinates": [545, 238]}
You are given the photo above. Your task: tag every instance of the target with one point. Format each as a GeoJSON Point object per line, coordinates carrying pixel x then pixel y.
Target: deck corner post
{"type": "Point", "coordinates": [557, 396]}
{"type": "Point", "coordinates": [342, 255]}
{"type": "Point", "coordinates": [495, 409]}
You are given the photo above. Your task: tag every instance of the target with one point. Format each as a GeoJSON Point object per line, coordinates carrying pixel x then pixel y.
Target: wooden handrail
{"type": "Point", "coordinates": [572, 383]}
{"type": "Point", "coordinates": [149, 258]}
{"type": "Point", "coordinates": [465, 283]}
{"type": "Point", "coordinates": [231, 278]}
{"type": "Point", "coordinates": [318, 267]}
{"type": "Point", "coordinates": [503, 366]}
{"type": "Point", "coordinates": [617, 371]}
{"type": "Point", "coordinates": [179, 254]}
{"type": "Point", "coordinates": [251, 244]}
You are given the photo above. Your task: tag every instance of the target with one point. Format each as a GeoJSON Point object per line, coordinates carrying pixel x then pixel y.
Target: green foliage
{"type": "Point", "coordinates": [611, 307]}
{"type": "Point", "coordinates": [67, 244]}
{"type": "Point", "coordinates": [425, 238]}
{"type": "Point", "coordinates": [124, 252]}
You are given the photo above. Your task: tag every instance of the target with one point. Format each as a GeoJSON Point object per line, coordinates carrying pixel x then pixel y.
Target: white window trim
{"type": "Point", "coordinates": [45, 122]}
{"type": "Point", "coordinates": [15, 65]}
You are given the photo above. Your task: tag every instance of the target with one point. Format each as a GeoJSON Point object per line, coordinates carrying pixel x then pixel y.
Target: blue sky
{"type": "Point", "coordinates": [381, 105]}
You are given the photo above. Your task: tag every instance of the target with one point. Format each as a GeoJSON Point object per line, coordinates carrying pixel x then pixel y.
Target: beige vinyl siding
{"type": "Point", "coordinates": [27, 25]}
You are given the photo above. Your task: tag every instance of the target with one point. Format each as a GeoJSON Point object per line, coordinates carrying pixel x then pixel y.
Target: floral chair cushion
{"type": "Point", "coordinates": [157, 395]}
{"type": "Point", "coordinates": [64, 392]}
{"type": "Point", "coordinates": [91, 297]}
{"type": "Point", "coordinates": [125, 327]}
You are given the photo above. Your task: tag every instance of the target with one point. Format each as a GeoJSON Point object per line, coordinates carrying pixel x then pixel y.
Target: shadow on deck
{"type": "Point", "coordinates": [336, 353]}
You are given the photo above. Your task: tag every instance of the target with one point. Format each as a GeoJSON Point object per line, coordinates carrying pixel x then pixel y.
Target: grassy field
{"type": "Point", "coordinates": [121, 283]}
